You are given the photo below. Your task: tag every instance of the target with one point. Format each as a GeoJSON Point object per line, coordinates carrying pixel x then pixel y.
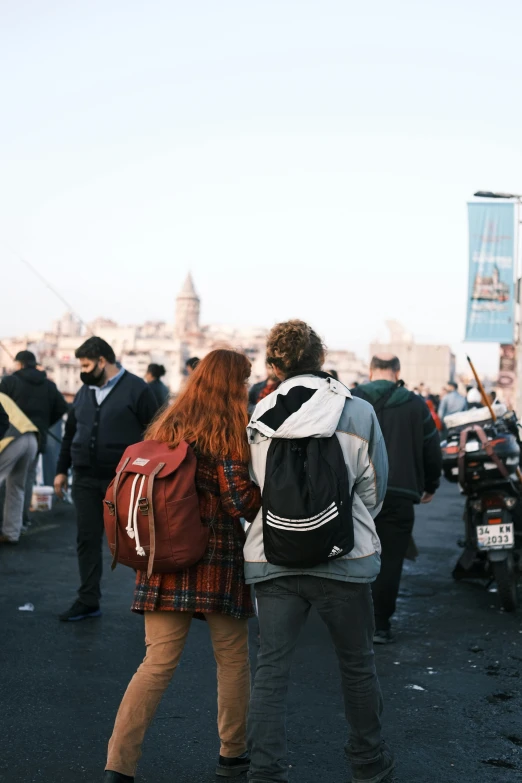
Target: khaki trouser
{"type": "Point", "coordinates": [165, 636]}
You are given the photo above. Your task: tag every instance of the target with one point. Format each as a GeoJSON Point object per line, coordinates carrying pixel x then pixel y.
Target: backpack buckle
{"type": "Point", "coordinates": [143, 505]}
{"type": "Point", "coordinates": [110, 507]}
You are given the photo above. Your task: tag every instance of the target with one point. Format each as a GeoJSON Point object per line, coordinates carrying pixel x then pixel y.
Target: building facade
{"type": "Point", "coordinates": [431, 365]}
{"type": "Point", "coordinates": [159, 342]}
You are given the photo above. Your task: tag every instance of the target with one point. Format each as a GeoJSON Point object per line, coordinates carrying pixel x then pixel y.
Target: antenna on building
{"type": "Point", "coordinates": [48, 285]}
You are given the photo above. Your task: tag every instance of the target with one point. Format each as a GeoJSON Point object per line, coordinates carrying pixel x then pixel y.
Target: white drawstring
{"type": "Point", "coordinates": [129, 528]}
{"type": "Point", "coordinates": [139, 549]}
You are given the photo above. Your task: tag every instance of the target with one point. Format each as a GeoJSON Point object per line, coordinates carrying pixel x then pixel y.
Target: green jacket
{"type": "Point", "coordinates": [411, 438]}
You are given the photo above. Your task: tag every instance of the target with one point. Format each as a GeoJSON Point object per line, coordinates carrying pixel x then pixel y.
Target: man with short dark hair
{"type": "Point", "coordinates": [39, 399]}
{"type": "Point", "coordinates": [191, 364]}
{"type": "Point", "coordinates": [415, 464]}
{"type": "Point", "coordinates": [452, 402]}
{"type": "Point", "coordinates": [110, 412]}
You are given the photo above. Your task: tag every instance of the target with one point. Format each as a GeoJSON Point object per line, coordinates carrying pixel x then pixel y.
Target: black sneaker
{"type": "Point", "coordinates": [116, 777]}
{"type": "Point", "coordinates": [383, 637]}
{"type": "Point", "coordinates": [376, 770]}
{"type": "Point", "coordinates": [80, 611]}
{"type": "Point", "coordinates": [231, 768]}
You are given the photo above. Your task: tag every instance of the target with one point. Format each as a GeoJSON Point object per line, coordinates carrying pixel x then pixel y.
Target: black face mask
{"type": "Point", "coordinates": [91, 379]}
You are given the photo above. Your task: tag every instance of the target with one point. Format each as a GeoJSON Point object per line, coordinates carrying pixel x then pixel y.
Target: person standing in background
{"type": "Point", "coordinates": [415, 461]}
{"type": "Point", "coordinates": [39, 399]}
{"type": "Point", "coordinates": [18, 450]}
{"type": "Point", "coordinates": [262, 389]}
{"type": "Point", "coordinates": [153, 377]}
{"type": "Point", "coordinates": [111, 411]}
{"type": "Point", "coordinates": [191, 364]}
{"type": "Point", "coordinates": [433, 410]}
{"type": "Point", "coordinates": [452, 402]}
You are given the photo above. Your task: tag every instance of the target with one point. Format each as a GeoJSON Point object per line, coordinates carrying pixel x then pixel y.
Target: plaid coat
{"type": "Point", "coordinates": [217, 582]}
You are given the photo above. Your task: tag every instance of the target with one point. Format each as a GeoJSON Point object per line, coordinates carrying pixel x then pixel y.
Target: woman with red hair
{"type": "Point", "coordinates": [211, 415]}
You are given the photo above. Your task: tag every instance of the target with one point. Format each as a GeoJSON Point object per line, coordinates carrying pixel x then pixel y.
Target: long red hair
{"type": "Point", "coordinates": [211, 411]}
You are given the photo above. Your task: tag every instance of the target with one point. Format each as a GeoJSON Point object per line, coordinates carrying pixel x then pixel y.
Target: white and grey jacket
{"type": "Point", "coordinates": [325, 406]}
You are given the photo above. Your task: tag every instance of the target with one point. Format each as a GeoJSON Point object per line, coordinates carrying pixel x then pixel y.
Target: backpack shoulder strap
{"type": "Point", "coordinates": [115, 502]}
{"type": "Point", "coordinates": [150, 511]}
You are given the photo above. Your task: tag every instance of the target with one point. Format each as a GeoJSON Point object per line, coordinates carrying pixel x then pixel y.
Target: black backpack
{"type": "Point", "coordinates": [307, 504]}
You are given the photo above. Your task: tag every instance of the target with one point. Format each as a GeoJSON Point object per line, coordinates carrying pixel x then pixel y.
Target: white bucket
{"type": "Point", "coordinates": [42, 499]}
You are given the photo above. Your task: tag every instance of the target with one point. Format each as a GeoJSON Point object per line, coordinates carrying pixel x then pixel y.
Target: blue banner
{"type": "Point", "coordinates": [491, 297]}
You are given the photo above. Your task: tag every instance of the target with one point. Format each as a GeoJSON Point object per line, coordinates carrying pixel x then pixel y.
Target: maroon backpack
{"type": "Point", "coordinates": [151, 512]}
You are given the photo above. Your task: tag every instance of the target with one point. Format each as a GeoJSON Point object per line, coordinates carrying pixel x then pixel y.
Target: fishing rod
{"type": "Point", "coordinates": [6, 350]}
{"type": "Point", "coordinates": [48, 285]}
{"type": "Point", "coordinates": [62, 299]}
{"type": "Point", "coordinates": [485, 398]}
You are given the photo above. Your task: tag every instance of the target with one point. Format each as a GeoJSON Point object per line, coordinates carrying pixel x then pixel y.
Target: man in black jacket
{"type": "Point", "coordinates": [415, 462]}
{"type": "Point", "coordinates": [40, 400]}
{"type": "Point", "coordinates": [110, 412]}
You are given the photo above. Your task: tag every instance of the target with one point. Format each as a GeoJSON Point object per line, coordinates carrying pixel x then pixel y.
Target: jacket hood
{"type": "Point", "coordinates": [19, 423]}
{"type": "Point", "coordinates": [307, 406]}
{"type": "Point", "coordinates": [32, 375]}
{"type": "Point", "coordinates": [374, 390]}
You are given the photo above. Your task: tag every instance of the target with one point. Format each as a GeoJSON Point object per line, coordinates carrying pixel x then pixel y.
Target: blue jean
{"type": "Point", "coordinates": [347, 610]}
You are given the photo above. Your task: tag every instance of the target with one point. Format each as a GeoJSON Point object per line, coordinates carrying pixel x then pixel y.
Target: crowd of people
{"type": "Point", "coordinates": [265, 453]}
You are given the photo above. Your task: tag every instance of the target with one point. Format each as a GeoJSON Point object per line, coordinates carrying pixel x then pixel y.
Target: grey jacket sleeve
{"type": "Point", "coordinates": [372, 478]}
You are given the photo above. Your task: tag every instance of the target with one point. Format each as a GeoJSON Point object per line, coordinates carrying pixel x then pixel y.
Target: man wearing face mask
{"type": "Point", "coordinates": [110, 412]}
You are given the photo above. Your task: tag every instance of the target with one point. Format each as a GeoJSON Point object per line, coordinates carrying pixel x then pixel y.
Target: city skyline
{"type": "Point", "coordinates": [488, 353]}
{"type": "Point", "coordinates": [310, 161]}
{"type": "Point", "coordinates": [171, 344]}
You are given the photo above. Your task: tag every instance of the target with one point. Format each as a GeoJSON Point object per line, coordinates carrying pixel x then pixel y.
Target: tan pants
{"type": "Point", "coordinates": [165, 636]}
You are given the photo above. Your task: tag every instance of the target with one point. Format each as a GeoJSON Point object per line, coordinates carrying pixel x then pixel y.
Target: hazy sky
{"type": "Point", "coordinates": [302, 159]}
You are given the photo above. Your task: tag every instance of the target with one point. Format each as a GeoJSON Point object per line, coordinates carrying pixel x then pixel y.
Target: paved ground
{"type": "Point", "coordinates": [60, 684]}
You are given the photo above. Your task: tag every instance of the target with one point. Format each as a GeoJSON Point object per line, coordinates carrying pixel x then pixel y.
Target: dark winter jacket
{"type": "Point", "coordinates": [160, 391]}
{"type": "Point", "coordinates": [411, 438]}
{"type": "Point", "coordinates": [37, 397]}
{"type": "Point", "coordinates": [4, 421]}
{"type": "Point", "coordinates": [97, 435]}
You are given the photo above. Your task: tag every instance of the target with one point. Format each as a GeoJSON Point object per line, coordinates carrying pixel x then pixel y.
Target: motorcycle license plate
{"type": "Point", "coordinates": [495, 536]}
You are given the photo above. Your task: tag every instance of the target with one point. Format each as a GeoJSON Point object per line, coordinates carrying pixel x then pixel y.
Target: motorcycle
{"type": "Point", "coordinates": [483, 456]}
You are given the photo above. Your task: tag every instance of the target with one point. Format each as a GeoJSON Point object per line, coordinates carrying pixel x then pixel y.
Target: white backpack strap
{"type": "Point", "coordinates": [130, 528]}
{"type": "Point", "coordinates": [139, 549]}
